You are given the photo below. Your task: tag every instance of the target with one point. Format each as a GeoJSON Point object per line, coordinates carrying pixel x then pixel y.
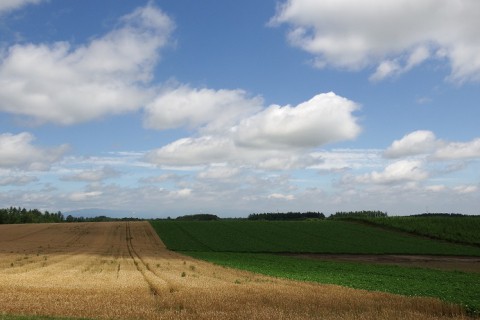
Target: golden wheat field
{"type": "Point", "coordinates": [122, 270]}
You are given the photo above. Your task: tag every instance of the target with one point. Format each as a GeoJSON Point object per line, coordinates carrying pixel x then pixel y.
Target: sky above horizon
{"type": "Point", "coordinates": [165, 108]}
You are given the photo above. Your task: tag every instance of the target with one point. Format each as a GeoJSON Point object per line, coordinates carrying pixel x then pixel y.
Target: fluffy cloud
{"type": "Point", "coordinates": [217, 150]}
{"type": "Point", "coordinates": [397, 172]}
{"type": "Point", "coordinates": [17, 151]}
{"type": "Point", "coordinates": [388, 68]}
{"type": "Point", "coordinates": [395, 36]}
{"type": "Point", "coordinates": [275, 138]}
{"type": "Point", "coordinates": [193, 151]}
{"type": "Point", "coordinates": [425, 157]}
{"type": "Point", "coordinates": [325, 118]}
{"type": "Point", "coordinates": [66, 85]}
{"type": "Point", "coordinates": [415, 143]}
{"type": "Point", "coordinates": [9, 5]}
{"type": "Point", "coordinates": [424, 142]}
{"type": "Point", "coordinates": [459, 150]}
{"type": "Point", "coordinates": [187, 107]}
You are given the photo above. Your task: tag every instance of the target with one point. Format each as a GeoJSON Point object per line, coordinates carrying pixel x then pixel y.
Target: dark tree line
{"type": "Point", "coordinates": [19, 215]}
{"type": "Point", "coordinates": [358, 214]}
{"type": "Point", "coordinates": [440, 214]}
{"type": "Point", "coordinates": [22, 215]}
{"type": "Point", "coordinates": [199, 217]}
{"type": "Point", "coordinates": [286, 216]}
{"type": "Point", "coordinates": [71, 218]}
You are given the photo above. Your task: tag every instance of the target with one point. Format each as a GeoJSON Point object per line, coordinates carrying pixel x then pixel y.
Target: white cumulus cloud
{"type": "Point", "coordinates": [64, 84]}
{"type": "Point", "coordinates": [326, 118]}
{"type": "Point", "coordinates": [414, 143]}
{"type": "Point", "coordinates": [395, 36]}
{"type": "Point", "coordinates": [188, 107]}
{"type": "Point", "coordinates": [459, 150]}
{"type": "Point", "coordinates": [424, 142]}
{"type": "Point", "coordinates": [193, 151]}
{"type": "Point", "coordinates": [397, 172]}
{"type": "Point", "coordinates": [389, 68]}
{"type": "Point", "coordinates": [274, 138]}
{"type": "Point", "coordinates": [17, 151]}
{"type": "Point", "coordinates": [9, 5]}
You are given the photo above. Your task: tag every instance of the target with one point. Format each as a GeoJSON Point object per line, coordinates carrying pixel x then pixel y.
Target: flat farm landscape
{"type": "Point", "coordinates": [122, 270]}
{"type": "Point", "coordinates": [345, 253]}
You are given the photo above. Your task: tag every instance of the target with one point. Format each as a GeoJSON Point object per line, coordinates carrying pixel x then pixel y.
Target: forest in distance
{"type": "Point", "coordinates": [18, 215]}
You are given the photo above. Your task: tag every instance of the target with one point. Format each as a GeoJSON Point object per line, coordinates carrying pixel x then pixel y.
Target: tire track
{"type": "Point", "coordinates": [149, 276]}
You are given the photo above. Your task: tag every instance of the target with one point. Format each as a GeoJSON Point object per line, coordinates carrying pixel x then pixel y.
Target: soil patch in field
{"type": "Point", "coordinates": [451, 263]}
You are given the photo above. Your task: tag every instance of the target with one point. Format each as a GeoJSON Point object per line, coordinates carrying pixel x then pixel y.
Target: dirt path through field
{"type": "Point", "coordinates": [122, 270]}
{"type": "Point", "coordinates": [452, 263]}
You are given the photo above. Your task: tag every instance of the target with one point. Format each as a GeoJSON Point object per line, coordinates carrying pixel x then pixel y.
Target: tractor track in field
{"type": "Point", "coordinates": [140, 264]}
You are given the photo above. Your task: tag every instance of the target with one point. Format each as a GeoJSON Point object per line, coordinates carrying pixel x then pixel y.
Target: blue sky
{"type": "Point", "coordinates": [164, 108]}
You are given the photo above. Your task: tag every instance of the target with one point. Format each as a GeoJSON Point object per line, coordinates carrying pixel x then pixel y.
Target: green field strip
{"type": "Point", "coordinates": [334, 237]}
{"type": "Point", "coordinates": [462, 229]}
{"type": "Point", "coordinates": [451, 286]}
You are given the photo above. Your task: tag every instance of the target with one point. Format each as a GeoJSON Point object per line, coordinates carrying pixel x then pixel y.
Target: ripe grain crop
{"type": "Point", "coordinates": [122, 270]}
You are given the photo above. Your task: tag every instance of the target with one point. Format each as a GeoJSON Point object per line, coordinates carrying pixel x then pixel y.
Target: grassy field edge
{"type": "Point", "coordinates": [30, 317]}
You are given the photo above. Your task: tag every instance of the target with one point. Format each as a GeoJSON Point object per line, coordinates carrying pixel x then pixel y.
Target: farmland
{"type": "Point", "coordinates": [297, 236]}
{"type": "Point", "coordinates": [243, 244]}
{"type": "Point", "coordinates": [461, 229]}
{"type": "Point", "coordinates": [122, 270]}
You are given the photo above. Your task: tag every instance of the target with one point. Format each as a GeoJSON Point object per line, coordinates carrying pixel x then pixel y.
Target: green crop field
{"type": "Point", "coordinates": [298, 236]}
{"type": "Point", "coordinates": [250, 245]}
{"type": "Point", "coordinates": [453, 286]}
{"type": "Point", "coordinates": [462, 229]}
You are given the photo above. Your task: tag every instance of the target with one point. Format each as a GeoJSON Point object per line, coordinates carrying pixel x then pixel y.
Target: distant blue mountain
{"type": "Point", "coordinates": [95, 212]}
